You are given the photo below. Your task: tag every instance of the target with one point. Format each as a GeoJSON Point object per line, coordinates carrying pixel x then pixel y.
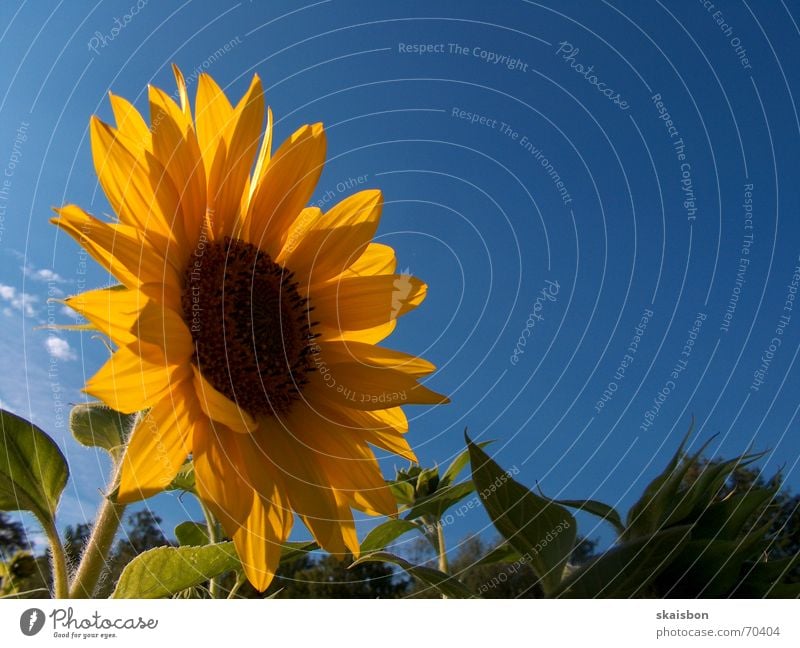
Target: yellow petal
{"type": "Point", "coordinates": [218, 407]}
{"type": "Point", "coordinates": [337, 240]}
{"type": "Point", "coordinates": [184, 96]}
{"type": "Point", "coordinates": [377, 259]}
{"type": "Point", "coordinates": [368, 387]}
{"type": "Point", "coordinates": [258, 541]}
{"type": "Point", "coordinates": [175, 145]}
{"type": "Point", "coordinates": [227, 181]}
{"type": "Point", "coordinates": [263, 157]}
{"type": "Point", "coordinates": [218, 475]}
{"type": "Point", "coordinates": [309, 493]}
{"type": "Point", "coordinates": [138, 188]}
{"type": "Point", "coordinates": [166, 329]}
{"type": "Point", "coordinates": [365, 302]}
{"type": "Point", "coordinates": [381, 428]}
{"type": "Point", "coordinates": [113, 311]}
{"type": "Point", "coordinates": [129, 383]}
{"type": "Point", "coordinates": [213, 115]}
{"type": "Point", "coordinates": [130, 122]}
{"type": "Point", "coordinates": [118, 248]}
{"type": "Point", "coordinates": [371, 335]}
{"type": "Point", "coordinates": [159, 445]}
{"type": "Point", "coordinates": [371, 356]}
{"type": "Point", "coordinates": [285, 188]}
{"type": "Point", "coordinates": [347, 463]}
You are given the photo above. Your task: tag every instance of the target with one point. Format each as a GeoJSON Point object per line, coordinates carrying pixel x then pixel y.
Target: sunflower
{"type": "Point", "coordinates": [246, 323]}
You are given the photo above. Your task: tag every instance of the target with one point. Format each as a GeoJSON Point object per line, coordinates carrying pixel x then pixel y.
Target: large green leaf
{"type": "Point", "coordinates": [164, 571]}
{"type": "Point", "coordinates": [603, 511]}
{"type": "Point", "coordinates": [542, 531]}
{"type": "Point", "coordinates": [33, 472]}
{"type": "Point", "coordinates": [383, 534]}
{"type": "Point", "coordinates": [97, 426]}
{"type": "Point", "coordinates": [445, 584]}
{"type": "Point", "coordinates": [627, 570]}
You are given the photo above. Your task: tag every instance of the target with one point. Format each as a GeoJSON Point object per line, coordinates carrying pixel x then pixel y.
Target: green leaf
{"type": "Point", "coordinates": [96, 426]}
{"type": "Point", "coordinates": [192, 534]}
{"type": "Point", "coordinates": [648, 513]}
{"type": "Point", "coordinates": [403, 492]}
{"type": "Point", "coordinates": [728, 519]}
{"type": "Point", "coordinates": [626, 570]}
{"type": "Point", "coordinates": [603, 511]}
{"type": "Point", "coordinates": [164, 571]}
{"type": "Point", "coordinates": [440, 501]}
{"type": "Point", "coordinates": [690, 503]}
{"type": "Point", "coordinates": [184, 480]}
{"type": "Point", "coordinates": [383, 534]}
{"type": "Point", "coordinates": [542, 531]}
{"type": "Point", "coordinates": [502, 553]}
{"type": "Point", "coordinates": [33, 472]}
{"type": "Point", "coordinates": [445, 584]}
{"type": "Point", "coordinates": [459, 463]}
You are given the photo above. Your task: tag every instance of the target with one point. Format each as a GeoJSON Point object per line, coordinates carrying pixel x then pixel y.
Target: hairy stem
{"type": "Point", "coordinates": [97, 549]}
{"type": "Point", "coordinates": [59, 562]}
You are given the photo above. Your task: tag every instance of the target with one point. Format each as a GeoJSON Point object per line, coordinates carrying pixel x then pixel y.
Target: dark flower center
{"type": "Point", "coordinates": [249, 324]}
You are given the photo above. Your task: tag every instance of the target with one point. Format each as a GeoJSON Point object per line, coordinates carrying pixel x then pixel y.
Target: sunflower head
{"type": "Point", "coordinates": [246, 324]}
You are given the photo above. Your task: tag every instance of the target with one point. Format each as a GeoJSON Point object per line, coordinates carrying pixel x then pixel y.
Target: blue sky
{"type": "Point", "coordinates": [619, 156]}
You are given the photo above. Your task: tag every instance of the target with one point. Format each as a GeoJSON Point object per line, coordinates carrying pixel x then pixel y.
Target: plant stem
{"type": "Point", "coordinates": [213, 538]}
{"type": "Point", "coordinates": [441, 547]}
{"type": "Point", "coordinates": [99, 545]}
{"type": "Point", "coordinates": [59, 561]}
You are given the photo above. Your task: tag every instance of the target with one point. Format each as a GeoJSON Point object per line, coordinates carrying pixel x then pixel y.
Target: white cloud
{"type": "Point", "coordinates": [21, 301]}
{"type": "Point", "coordinates": [59, 348]}
{"type": "Point", "coordinates": [45, 275]}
